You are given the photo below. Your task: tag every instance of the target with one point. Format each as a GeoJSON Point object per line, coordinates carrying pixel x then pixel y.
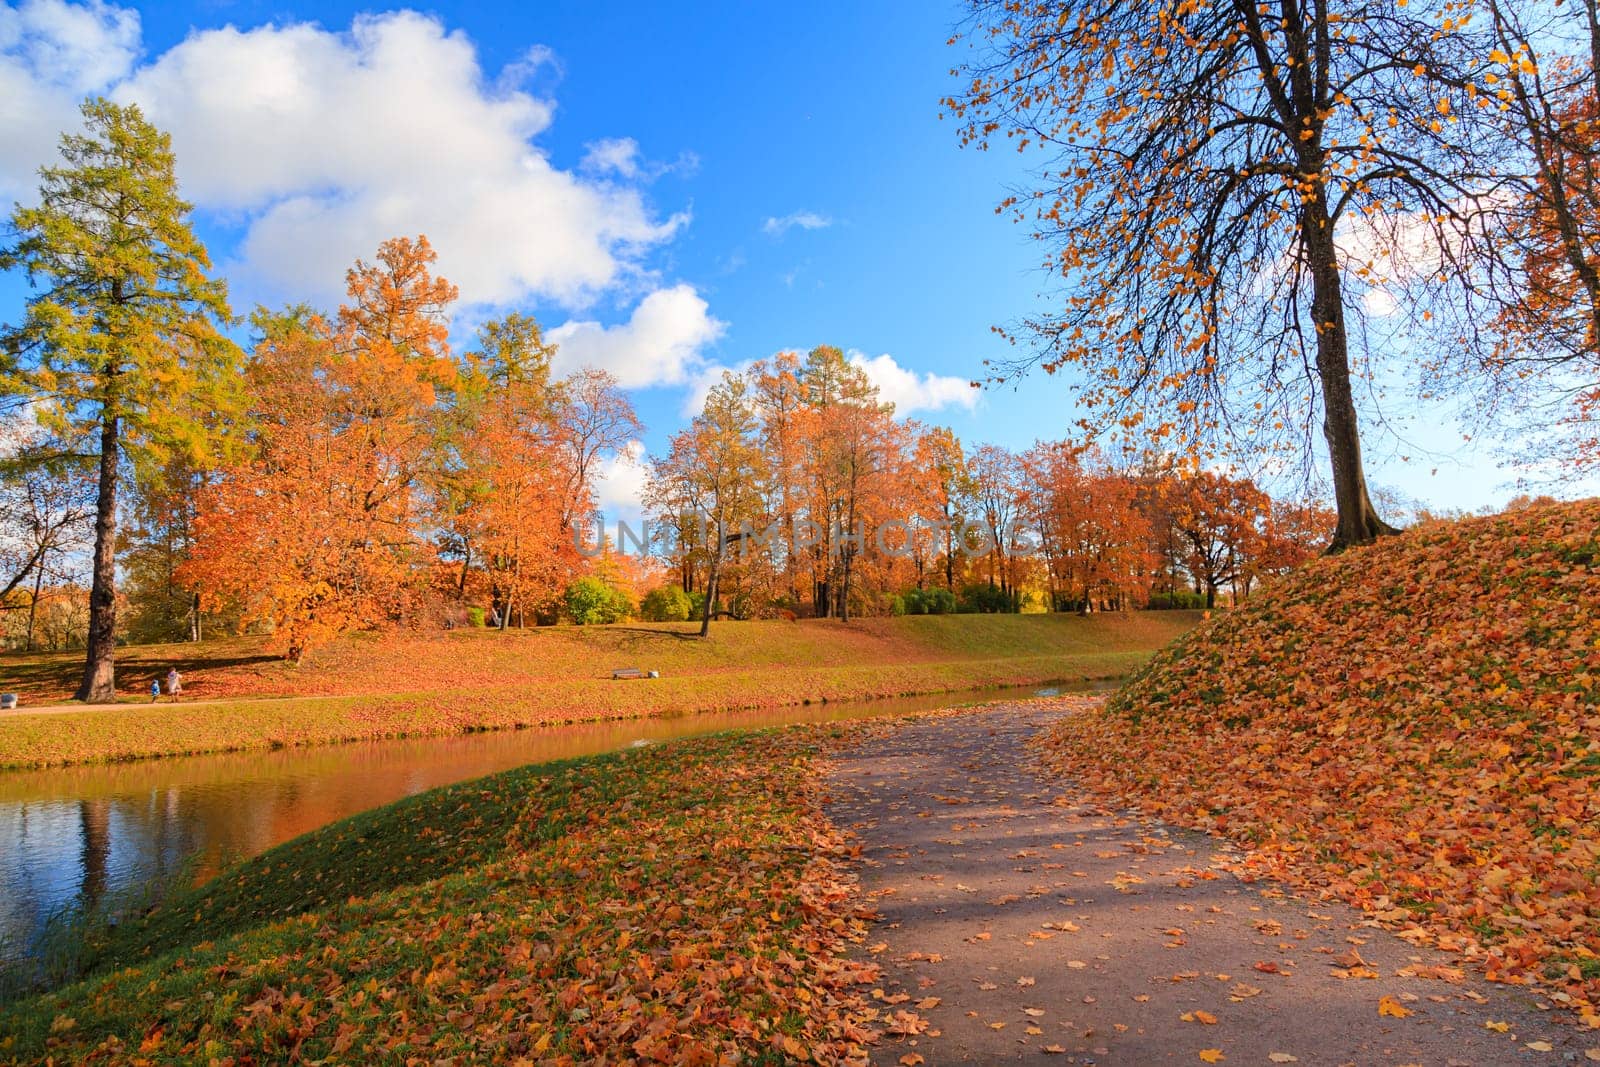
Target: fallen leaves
{"type": "Point", "coordinates": [1392, 1008]}
{"type": "Point", "coordinates": [1411, 725]}
{"type": "Point", "coordinates": [653, 906]}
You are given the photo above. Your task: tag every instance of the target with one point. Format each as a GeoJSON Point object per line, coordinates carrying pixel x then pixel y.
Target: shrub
{"type": "Point", "coordinates": [591, 601]}
{"type": "Point", "coordinates": [666, 604]}
{"type": "Point", "coordinates": [987, 599]}
{"type": "Point", "coordinates": [928, 602]}
{"type": "Point", "coordinates": [477, 617]}
{"type": "Point", "coordinates": [898, 604]}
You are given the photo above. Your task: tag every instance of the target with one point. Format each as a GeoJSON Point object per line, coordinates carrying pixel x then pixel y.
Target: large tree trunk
{"type": "Point", "coordinates": [1358, 519]}
{"type": "Point", "coordinates": [33, 605]}
{"type": "Point", "coordinates": [99, 670]}
{"type": "Point", "coordinates": [711, 594]}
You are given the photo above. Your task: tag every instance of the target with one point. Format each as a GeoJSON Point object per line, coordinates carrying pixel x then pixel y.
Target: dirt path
{"type": "Point", "coordinates": [127, 705]}
{"type": "Point", "coordinates": [1021, 920]}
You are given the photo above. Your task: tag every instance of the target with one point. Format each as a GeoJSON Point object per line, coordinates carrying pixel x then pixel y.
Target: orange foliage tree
{"type": "Point", "coordinates": [317, 531]}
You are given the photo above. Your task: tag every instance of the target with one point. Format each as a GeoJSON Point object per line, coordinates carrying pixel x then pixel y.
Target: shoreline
{"type": "Point", "coordinates": [130, 732]}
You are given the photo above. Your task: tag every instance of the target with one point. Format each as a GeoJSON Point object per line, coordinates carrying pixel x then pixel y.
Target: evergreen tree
{"type": "Point", "coordinates": [122, 343]}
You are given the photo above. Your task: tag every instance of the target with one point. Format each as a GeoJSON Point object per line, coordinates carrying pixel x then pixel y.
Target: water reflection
{"type": "Point", "coordinates": [70, 836]}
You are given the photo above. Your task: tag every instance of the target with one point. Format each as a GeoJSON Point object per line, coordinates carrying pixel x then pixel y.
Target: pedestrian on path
{"type": "Point", "coordinates": [155, 689]}
{"type": "Point", "coordinates": [174, 684]}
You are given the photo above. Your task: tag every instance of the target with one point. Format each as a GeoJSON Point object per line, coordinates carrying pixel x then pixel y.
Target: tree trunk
{"type": "Point", "coordinates": [99, 684]}
{"type": "Point", "coordinates": [33, 605]}
{"type": "Point", "coordinates": [711, 594]}
{"type": "Point", "coordinates": [1359, 523]}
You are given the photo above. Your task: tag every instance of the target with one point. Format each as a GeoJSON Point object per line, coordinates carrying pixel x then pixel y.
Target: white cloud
{"type": "Point", "coordinates": [660, 344]}
{"type": "Point", "coordinates": [910, 391]}
{"type": "Point", "coordinates": [619, 483]}
{"type": "Point", "coordinates": [322, 144]}
{"type": "Point", "coordinates": [701, 383]}
{"type": "Point", "coordinates": [614, 154]}
{"type": "Point", "coordinates": [621, 156]}
{"type": "Point", "coordinates": [907, 390]}
{"type": "Point", "coordinates": [806, 220]}
{"type": "Point", "coordinates": [51, 55]}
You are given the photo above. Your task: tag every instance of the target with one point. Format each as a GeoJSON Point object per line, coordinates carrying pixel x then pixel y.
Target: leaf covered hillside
{"type": "Point", "coordinates": [1414, 726]}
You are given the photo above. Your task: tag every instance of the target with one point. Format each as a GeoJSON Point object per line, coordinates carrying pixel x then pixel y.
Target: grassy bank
{"type": "Point", "coordinates": [367, 688]}
{"type": "Point", "coordinates": [1413, 726]}
{"type": "Point", "coordinates": [677, 904]}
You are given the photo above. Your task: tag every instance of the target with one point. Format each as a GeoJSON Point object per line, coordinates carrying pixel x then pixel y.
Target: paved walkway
{"type": "Point", "coordinates": [1020, 920]}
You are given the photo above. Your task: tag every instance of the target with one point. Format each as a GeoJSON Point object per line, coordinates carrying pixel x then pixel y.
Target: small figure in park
{"type": "Point", "coordinates": [155, 689]}
{"type": "Point", "coordinates": [174, 684]}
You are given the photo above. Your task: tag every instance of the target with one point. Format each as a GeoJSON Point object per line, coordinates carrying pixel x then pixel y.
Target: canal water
{"type": "Point", "coordinates": [74, 837]}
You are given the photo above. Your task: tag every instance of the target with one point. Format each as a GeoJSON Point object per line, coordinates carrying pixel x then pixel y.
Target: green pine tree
{"type": "Point", "coordinates": [121, 346]}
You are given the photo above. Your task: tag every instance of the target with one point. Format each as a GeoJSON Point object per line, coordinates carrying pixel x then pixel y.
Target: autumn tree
{"type": "Point", "coordinates": [157, 542]}
{"type": "Point", "coordinates": [1220, 520]}
{"type": "Point", "coordinates": [595, 421]}
{"type": "Point", "coordinates": [847, 467]}
{"type": "Point", "coordinates": [1292, 532]}
{"type": "Point", "coordinates": [779, 401]}
{"type": "Point", "coordinates": [514, 489]}
{"type": "Point", "coordinates": [320, 529]}
{"type": "Point", "coordinates": [1200, 164]}
{"type": "Point", "coordinates": [949, 479]}
{"type": "Point", "coordinates": [1544, 355]}
{"type": "Point", "coordinates": [126, 322]}
{"type": "Point", "coordinates": [47, 507]}
{"type": "Point", "coordinates": [997, 498]}
{"type": "Point", "coordinates": [1095, 541]}
{"type": "Point", "coordinates": [711, 480]}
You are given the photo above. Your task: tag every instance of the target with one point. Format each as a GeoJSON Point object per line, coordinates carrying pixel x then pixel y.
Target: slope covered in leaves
{"type": "Point", "coordinates": [1414, 726]}
{"type": "Point", "coordinates": [680, 904]}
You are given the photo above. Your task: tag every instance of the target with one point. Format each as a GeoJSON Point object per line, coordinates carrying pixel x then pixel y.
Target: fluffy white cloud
{"type": "Point", "coordinates": [322, 144]}
{"type": "Point", "coordinates": [333, 142]}
{"type": "Point", "coordinates": [906, 389]}
{"type": "Point", "coordinates": [619, 484]}
{"type": "Point", "coordinates": [661, 343]}
{"type": "Point", "coordinates": [910, 391]}
{"type": "Point", "coordinates": [52, 54]}
{"type": "Point", "coordinates": [777, 226]}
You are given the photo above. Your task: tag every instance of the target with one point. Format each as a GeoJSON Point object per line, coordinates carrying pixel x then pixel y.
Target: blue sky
{"type": "Point", "coordinates": [671, 189]}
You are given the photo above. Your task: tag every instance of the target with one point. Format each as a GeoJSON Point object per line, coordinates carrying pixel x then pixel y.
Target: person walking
{"type": "Point", "coordinates": [155, 689]}
{"type": "Point", "coordinates": [174, 684]}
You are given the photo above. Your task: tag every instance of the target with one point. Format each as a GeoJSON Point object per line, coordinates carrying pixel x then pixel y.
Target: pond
{"type": "Point", "coordinates": [72, 837]}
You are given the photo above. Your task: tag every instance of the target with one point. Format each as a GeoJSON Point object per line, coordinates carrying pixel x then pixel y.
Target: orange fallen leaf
{"type": "Point", "coordinates": [1392, 1008]}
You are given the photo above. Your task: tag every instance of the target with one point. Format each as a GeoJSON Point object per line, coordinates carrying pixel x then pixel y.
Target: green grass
{"type": "Point", "coordinates": [367, 688]}
{"type": "Point", "coordinates": [657, 902]}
